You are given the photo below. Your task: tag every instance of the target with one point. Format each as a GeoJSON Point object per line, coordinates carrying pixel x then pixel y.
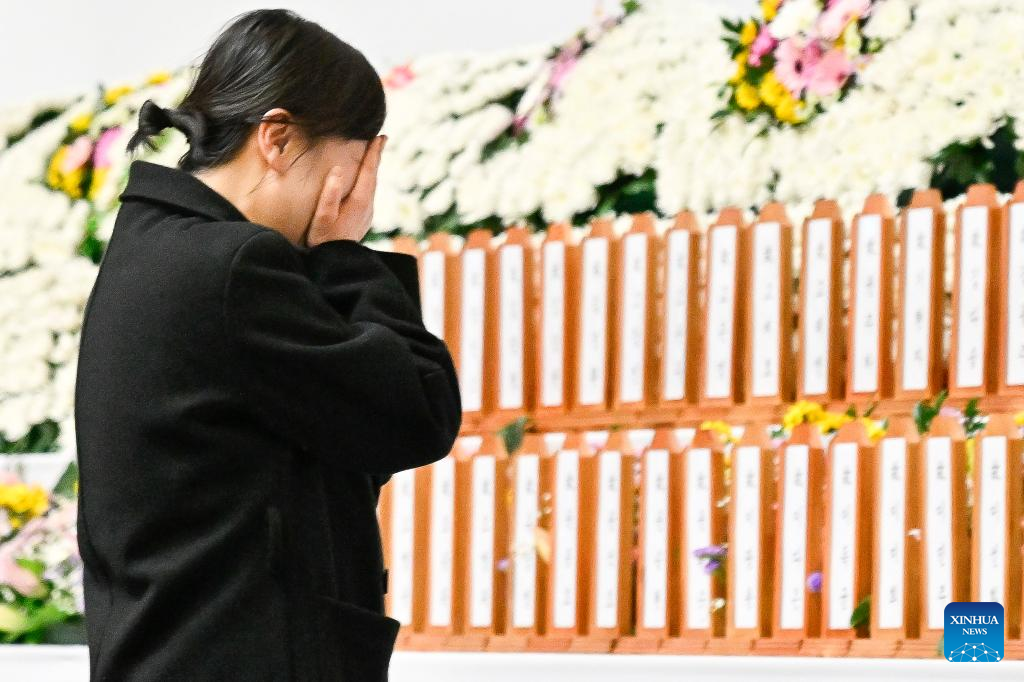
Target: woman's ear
{"type": "Point", "coordinates": [275, 139]}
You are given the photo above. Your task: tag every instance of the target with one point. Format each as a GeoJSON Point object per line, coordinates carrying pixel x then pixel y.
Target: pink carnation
{"type": "Point", "coordinates": [833, 20]}
{"type": "Point", "coordinates": [795, 61]}
{"type": "Point", "coordinates": [77, 154]}
{"type": "Point", "coordinates": [829, 74]}
{"type": "Point", "coordinates": [762, 45]}
{"type": "Point", "coordinates": [102, 157]}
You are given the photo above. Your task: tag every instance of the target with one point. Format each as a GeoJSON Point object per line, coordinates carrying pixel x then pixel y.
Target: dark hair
{"type": "Point", "coordinates": [264, 59]}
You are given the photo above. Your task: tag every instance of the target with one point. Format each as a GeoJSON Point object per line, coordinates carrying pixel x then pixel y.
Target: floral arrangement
{"type": "Point", "coordinates": [40, 567]}
{"type": "Point", "coordinates": [800, 56]}
{"type": "Point", "coordinates": [828, 422]}
{"type": "Point", "coordinates": [723, 429]}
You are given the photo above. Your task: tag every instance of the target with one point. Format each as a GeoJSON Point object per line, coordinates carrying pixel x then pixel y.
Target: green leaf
{"type": "Point", "coordinates": [851, 412]}
{"type": "Point", "coordinates": [66, 484]}
{"type": "Point", "coordinates": [871, 409]}
{"type": "Point", "coordinates": [512, 434]}
{"type": "Point", "coordinates": [35, 566]}
{"type": "Point", "coordinates": [861, 613]}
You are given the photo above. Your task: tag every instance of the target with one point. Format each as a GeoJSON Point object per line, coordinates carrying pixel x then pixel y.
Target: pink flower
{"type": "Point", "coordinates": [77, 154]}
{"type": "Point", "coordinates": [21, 579]}
{"type": "Point", "coordinates": [795, 61]}
{"type": "Point", "coordinates": [102, 156]}
{"type": "Point", "coordinates": [951, 412]}
{"type": "Point", "coordinates": [833, 20]}
{"type": "Point", "coordinates": [829, 74]}
{"type": "Point", "coordinates": [399, 77]}
{"type": "Point", "coordinates": [762, 45]}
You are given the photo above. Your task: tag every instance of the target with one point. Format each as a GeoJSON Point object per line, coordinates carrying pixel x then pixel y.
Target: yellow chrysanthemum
{"type": "Point", "coordinates": [80, 123]}
{"type": "Point", "coordinates": [71, 183]}
{"type": "Point", "coordinates": [719, 427]}
{"type": "Point", "coordinates": [158, 77]}
{"type": "Point", "coordinates": [875, 430]}
{"type": "Point", "coordinates": [771, 89]}
{"type": "Point", "coordinates": [113, 94]}
{"type": "Point", "coordinates": [99, 176]}
{"type": "Point", "coordinates": [741, 67]}
{"type": "Point", "coordinates": [832, 421]}
{"type": "Point", "coordinates": [24, 499]}
{"type": "Point", "coordinates": [769, 8]}
{"type": "Point", "coordinates": [53, 172]}
{"type": "Point", "coordinates": [747, 97]}
{"type": "Point", "coordinates": [748, 32]}
{"type": "Point", "coordinates": [1019, 418]}
{"type": "Point", "coordinates": [789, 109]}
{"type": "Point", "coordinates": [802, 411]}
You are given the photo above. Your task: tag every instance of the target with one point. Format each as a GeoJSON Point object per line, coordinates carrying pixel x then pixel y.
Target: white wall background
{"type": "Point", "coordinates": [59, 47]}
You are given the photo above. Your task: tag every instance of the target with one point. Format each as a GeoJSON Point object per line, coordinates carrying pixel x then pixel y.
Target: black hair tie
{"type": "Point", "coordinates": [154, 118]}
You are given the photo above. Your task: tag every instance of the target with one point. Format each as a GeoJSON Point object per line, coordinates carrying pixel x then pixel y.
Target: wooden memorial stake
{"type": "Point", "coordinates": [976, 263]}
{"type": "Point", "coordinates": [945, 543]}
{"type": "Point", "coordinates": [679, 337]}
{"type": "Point", "coordinates": [896, 574]}
{"type": "Point", "coordinates": [568, 591]}
{"type": "Point", "coordinates": [721, 372]}
{"type": "Point", "coordinates": [996, 536]}
{"type": "Point", "coordinates": [797, 610]}
{"type": "Point", "coordinates": [476, 326]}
{"type": "Point", "coordinates": [558, 317]}
{"type": "Point", "coordinates": [868, 356]}
{"type": "Point", "coordinates": [1011, 301]}
{"type": "Point", "coordinates": [438, 266]}
{"type": "Point", "coordinates": [919, 367]}
{"type": "Point", "coordinates": [635, 363]}
{"type": "Point", "coordinates": [404, 523]}
{"type": "Point", "coordinates": [847, 538]}
{"type": "Point", "coordinates": [750, 568]}
{"type": "Point", "coordinates": [768, 356]}
{"type": "Point", "coordinates": [700, 480]}
{"type": "Point", "coordinates": [526, 594]}
{"type": "Point", "coordinates": [484, 499]}
{"type": "Point", "coordinates": [445, 551]}
{"type": "Point", "coordinates": [599, 254]}
{"type": "Point", "coordinates": [658, 543]}
{"type": "Point", "coordinates": [819, 358]}
{"type": "Point", "coordinates": [611, 546]}
{"type": "Point", "coordinates": [512, 342]}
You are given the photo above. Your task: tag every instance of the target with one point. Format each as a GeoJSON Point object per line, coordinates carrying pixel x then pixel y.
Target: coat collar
{"type": "Point", "coordinates": [150, 181]}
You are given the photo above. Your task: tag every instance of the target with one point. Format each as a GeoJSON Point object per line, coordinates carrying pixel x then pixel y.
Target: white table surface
{"type": "Point", "coordinates": [50, 663]}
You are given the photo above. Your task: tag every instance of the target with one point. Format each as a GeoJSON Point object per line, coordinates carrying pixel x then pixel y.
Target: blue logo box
{"type": "Point", "coordinates": [973, 632]}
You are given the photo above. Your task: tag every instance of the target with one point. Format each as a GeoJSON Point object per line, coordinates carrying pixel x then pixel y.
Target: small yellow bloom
{"type": "Point", "coordinates": [769, 8]}
{"type": "Point", "coordinates": [80, 123]}
{"type": "Point", "coordinates": [748, 33]}
{"type": "Point", "coordinates": [1019, 418]}
{"type": "Point", "coordinates": [719, 427]}
{"type": "Point", "coordinates": [158, 77]}
{"type": "Point", "coordinates": [790, 110]}
{"type": "Point", "coordinates": [832, 421]}
{"type": "Point", "coordinates": [747, 97]}
{"type": "Point", "coordinates": [771, 89]}
{"type": "Point", "coordinates": [875, 430]}
{"type": "Point", "coordinates": [741, 67]}
{"type": "Point", "coordinates": [99, 176]}
{"type": "Point", "coordinates": [800, 412]}
{"type": "Point", "coordinates": [113, 94]}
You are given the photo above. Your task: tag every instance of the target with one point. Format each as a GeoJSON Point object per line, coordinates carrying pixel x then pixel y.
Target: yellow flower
{"type": "Point", "coordinates": [80, 123]}
{"type": "Point", "coordinates": [747, 97]}
{"type": "Point", "coordinates": [771, 89]}
{"type": "Point", "coordinates": [719, 427]}
{"type": "Point", "coordinates": [800, 412]}
{"type": "Point", "coordinates": [832, 421]}
{"type": "Point", "coordinates": [26, 499]}
{"type": "Point", "coordinates": [99, 176]}
{"type": "Point", "coordinates": [113, 94]}
{"type": "Point", "coordinates": [741, 67]}
{"type": "Point", "coordinates": [748, 33]}
{"type": "Point", "coordinates": [72, 183]}
{"type": "Point", "coordinates": [790, 110]}
{"type": "Point", "coordinates": [875, 430]}
{"type": "Point", "coordinates": [769, 8]}
{"type": "Point", "coordinates": [158, 77]}
{"type": "Point", "coordinates": [1019, 418]}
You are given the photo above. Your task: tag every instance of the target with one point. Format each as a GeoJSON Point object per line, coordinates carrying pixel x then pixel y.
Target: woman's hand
{"type": "Point", "coordinates": [350, 218]}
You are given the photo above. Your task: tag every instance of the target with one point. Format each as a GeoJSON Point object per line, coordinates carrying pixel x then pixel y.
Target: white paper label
{"type": "Point", "coordinates": [471, 365]}
{"type": "Point", "coordinates": [917, 301]}
{"type": "Point", "coordinates": [593, 337]}
{"type": "Point", "coordinates": [817, 310]}
{"type": "Point", "coordinates": [1015, 298]}
{"type": "Point", "coordinates": [698, 535]}
{"type": "Point", "coordinates": [938, 530]}
{"type": "Point", "coordinates": [747, 551]}
{"type": "Point", "coordinates": [567, 478]}
{"type": "Point", "coordinates": [992, 538]}
{"type": "Point", "coordinates": [891, 512]}
{"type": "Point", "coordinates": [608, 500]}
{"type": "Point", "coordinates": [553, 342]}
{"type": "Point", "coordinates": [511, 286]}
{"type": "Point", "coordinates": [767, 300]}
{"type": "Point", "coordinates": [794, 538]}
{"type": "Point", "coordinates": [655, 565]}
{"type": "Point", "coordinates": [400, 572]}
{"type": "Point", "coordinates": [442, 531]}
{"type": "Point", "coordinates": [433, 294]}
{"type": "Point", "coordinates": [973, 298]}
{"type": "Point", "coordinates": [721, 313]}
{"type": "Point", "coordinates": [677, 314]}
{"type": "Point", "coordinates": [481, 590]}
{"type": "Point", "coordinates": [867, 289]}
{"type": "Point", "coordinates": [524, 569]}
{"type": "Point", "coordinates": [634, 319]}
{"type": "Point", "coordinates": [843, 541]}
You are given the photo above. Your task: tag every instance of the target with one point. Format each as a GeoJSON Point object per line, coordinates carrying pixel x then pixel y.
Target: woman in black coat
{"type": "Point", "coordinates": [249, 376]}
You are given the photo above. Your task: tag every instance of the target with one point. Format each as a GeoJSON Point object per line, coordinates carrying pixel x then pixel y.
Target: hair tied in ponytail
{"type": "Point", "coordinates": [154, 118]}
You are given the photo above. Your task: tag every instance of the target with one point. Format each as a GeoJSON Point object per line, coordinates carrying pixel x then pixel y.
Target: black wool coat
{"type": "Point", "coordinates": [239, 403]}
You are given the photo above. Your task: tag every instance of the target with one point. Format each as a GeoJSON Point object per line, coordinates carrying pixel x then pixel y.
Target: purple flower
{"type": "Point", "coordinates": [503, 564]}
{"type": "Point", "coordinates": [711, 566]}
{"type": "Point", "coordinates": [814, 582]}
{"type": "Point", "coordinates": [711, 551]}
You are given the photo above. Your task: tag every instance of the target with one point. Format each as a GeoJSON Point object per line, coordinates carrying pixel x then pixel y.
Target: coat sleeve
{"type": "Point", "coordinates": [337, 354]}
